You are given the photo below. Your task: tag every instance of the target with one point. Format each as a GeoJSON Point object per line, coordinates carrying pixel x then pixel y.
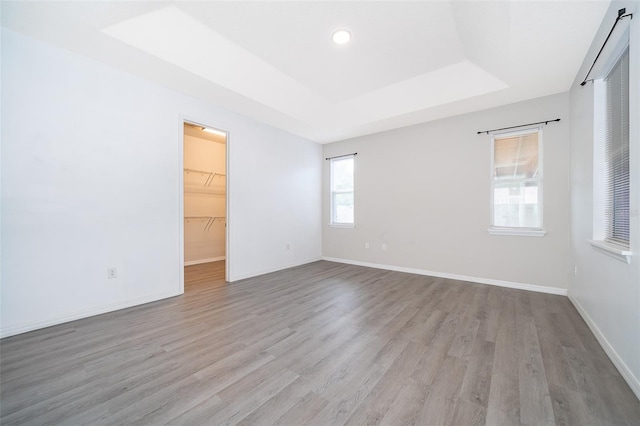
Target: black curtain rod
{"type": "Point", "coordinates": [520, 125]}
{"type": "Point", "coordinates": [339, 156]}
{"type": "Point", "coordinates": [621, 15]}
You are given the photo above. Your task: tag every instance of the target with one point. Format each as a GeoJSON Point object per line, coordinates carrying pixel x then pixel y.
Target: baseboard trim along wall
{"type": "Point", "coordinates": [43, 323]}
{"type": "Point", "coordinates": [626, 373]}
{"type": "Point", "coordinates": [500, 283]}
{"type": "Point", "coordinates": [199, 261]}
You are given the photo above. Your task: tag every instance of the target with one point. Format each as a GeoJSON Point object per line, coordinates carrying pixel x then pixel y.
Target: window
{"type": "Point", "coordinates": [342, 196]}
{"type": "Point", "coordinates": [516, 183]}
{"type": "Point", "coordinates": [611, 159]}
{"type": "Point", "coordinates": [617, 153]}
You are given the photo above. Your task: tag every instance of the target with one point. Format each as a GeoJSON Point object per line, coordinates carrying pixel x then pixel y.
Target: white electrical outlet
{"type": "Point", "coordinates": [575, 269]}
{"type": "Point", "coordinates": [366, 245]}
{"type": "Point", "coordinates": [112, 273]}
{"type": "Point", "coordinates": [384, 246]}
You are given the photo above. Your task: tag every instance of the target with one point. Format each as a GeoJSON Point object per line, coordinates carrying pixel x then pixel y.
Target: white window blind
{"type": "Point", "coordinates": [516, 177]}
{"type": "Point", "coordinates": [617, 188]}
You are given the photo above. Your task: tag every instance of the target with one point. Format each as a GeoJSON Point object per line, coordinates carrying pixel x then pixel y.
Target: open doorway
{"type": "Point", "coordinates": [204, 206]}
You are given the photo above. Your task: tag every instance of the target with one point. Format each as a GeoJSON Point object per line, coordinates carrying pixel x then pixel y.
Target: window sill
{"type": "Point", "coordinates": [617, 252]}
{"type": "Point", "coordinates": [342, 225]}
{"type": "Point", "coordinates": [519, 232]}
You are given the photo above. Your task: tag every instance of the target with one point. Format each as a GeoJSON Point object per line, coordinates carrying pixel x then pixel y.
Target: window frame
{"type": "Point", "coordinates": [332, 193]}
{"type": "Point", "coordinates": [517, 230]}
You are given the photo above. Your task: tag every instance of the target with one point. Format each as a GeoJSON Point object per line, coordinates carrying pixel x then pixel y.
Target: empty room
{"type": "Point", "coordinates": [320, 212]}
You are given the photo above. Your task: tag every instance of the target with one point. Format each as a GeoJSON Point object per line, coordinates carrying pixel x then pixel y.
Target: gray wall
{"type": "Point", "coordinates": [424, 192]}
{"type": "Point", "coordinates": [606, 290]}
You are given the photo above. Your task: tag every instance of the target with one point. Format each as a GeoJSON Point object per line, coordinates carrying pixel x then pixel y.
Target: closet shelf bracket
{"type": "Point", "coordinates": [209, 219]}
{"type": "Point", "coordinates": [210, 175]}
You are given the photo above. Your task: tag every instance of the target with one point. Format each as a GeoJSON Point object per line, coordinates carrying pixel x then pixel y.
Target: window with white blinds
{"type": "Point", "coordinates": [617, 190]}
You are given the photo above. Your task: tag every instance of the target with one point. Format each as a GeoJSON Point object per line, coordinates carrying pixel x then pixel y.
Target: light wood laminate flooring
{"type": "Point", "coordinates": [319, 344]}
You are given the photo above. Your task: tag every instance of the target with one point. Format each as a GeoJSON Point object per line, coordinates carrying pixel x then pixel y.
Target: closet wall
{"type": "Point", "coordinates": [204, 196]}
{"type": "Point", "coordinates": [75, 209]}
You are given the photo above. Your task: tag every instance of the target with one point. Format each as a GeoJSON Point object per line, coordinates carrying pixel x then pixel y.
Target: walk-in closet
{"type": "Point", "coordinates": [205, 182]}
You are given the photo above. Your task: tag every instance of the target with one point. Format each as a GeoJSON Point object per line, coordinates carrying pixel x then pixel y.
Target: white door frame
{"type": "Point", "coordinates": [189, 120]}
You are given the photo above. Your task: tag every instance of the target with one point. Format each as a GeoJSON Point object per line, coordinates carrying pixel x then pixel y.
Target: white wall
{"type": "Point", "coordinates": [91, 177]}
{"type": "Point", "coordinates": [605, 290]}
{"type": "Point", "coordinates": [424, 192]}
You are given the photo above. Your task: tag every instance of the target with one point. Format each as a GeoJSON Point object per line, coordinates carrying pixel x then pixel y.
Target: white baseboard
{"type": "Point", "coordinates": [12, 330]}
{"type": "Point", "coordinates": [624, 370]}
{"type": "Point", "coordinates": [199, 261]}
{"type": "Point", "coordinates": [500, 283]}
{"type": "Point", "coordinates": [268, 271]}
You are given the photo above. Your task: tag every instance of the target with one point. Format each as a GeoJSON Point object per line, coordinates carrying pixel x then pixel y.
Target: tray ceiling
{"type": "Point", "coordinates": [407, 62]}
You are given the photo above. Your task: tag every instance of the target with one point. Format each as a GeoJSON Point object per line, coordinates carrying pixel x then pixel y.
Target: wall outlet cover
{"type": "Point", "coordinates": [112, 273]}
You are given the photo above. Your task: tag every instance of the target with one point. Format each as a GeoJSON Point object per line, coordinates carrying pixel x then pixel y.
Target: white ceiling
{"type": "Point", "coordinates": [408, 62]}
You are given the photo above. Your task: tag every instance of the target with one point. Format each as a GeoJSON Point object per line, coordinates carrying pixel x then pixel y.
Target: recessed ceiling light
{"type": "Point", "coordinates": [214, 131]}
{"type": "Point", "coordinates": [341, 36]}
